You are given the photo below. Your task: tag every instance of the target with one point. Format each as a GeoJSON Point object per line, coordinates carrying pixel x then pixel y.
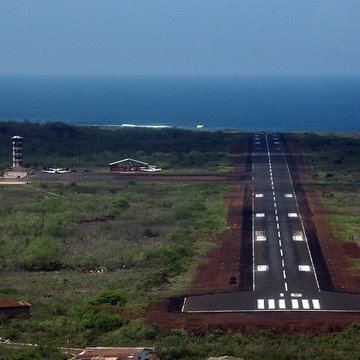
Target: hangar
{"type": "Point", "coordinates": [131, 165]}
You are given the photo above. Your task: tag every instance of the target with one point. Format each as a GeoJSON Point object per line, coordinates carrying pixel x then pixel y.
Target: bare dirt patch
{"type": "Point", "coordinates": [220, 270]}
{"type": "Point", "coordinates": [352, 250]}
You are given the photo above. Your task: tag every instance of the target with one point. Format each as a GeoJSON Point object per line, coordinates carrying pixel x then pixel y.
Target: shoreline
{"type": "Point", "coordinates": [196, 127]}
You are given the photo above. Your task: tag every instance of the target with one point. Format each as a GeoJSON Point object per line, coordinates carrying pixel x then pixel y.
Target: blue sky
{"type": "Point", "coordinates": [191, 37]}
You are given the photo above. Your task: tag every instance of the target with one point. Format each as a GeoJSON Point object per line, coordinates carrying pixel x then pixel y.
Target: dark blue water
{"type": "Point", "coordinates": [247, 103]}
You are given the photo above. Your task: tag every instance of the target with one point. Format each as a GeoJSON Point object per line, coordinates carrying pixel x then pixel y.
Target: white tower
{"type": "Point", "coordinates": [17, 142]}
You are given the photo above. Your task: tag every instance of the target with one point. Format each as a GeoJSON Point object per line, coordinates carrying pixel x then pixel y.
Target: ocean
{"type": "Point", "coordinates": [249, 103]}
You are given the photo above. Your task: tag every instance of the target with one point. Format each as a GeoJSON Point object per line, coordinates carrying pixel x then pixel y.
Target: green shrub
{"type": "Point", "coordinates": [43, 253]}
{"type": "Point", "coordinates": [112, 297]}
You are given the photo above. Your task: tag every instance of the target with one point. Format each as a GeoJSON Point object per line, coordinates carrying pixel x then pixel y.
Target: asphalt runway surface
{"type": "Point", "coordinates": [284, 274]}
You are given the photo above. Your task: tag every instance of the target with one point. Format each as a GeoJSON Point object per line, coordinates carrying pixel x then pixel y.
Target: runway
{"type": "Point", "coordinates": [284, 275]}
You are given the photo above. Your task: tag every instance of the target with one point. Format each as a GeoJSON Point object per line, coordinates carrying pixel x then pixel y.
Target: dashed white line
{"type": "Point", "coordinates": [281, 252]}
{"type": "Point", "coordinates": [284, 274]}
{"type": "Point", "coordinates": [286, 286]}
{"type": "Point", "coordinates": [279, 234]}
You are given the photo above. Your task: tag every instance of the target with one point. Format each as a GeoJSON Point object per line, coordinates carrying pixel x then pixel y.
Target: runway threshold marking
{"type": "Point", "coordinates": [271, 303]}
{"type": "Point", "coordinates": [291, 304]}
{"type": "Point", "coordinates": [282, 304]}
{"type": "Point", "coordinates": [295, 303]}
{"type": "Point", "coordinates": [316, 303]}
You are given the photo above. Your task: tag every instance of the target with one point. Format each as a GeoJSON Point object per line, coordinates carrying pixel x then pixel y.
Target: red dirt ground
{"type": "Point", "coordinates": [335, 251]}
{"type": "Point", "coordinates": [222, 263]}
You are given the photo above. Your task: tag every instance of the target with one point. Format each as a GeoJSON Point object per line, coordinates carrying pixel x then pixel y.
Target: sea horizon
{"type": "Point", "coordinates": [321, 103]}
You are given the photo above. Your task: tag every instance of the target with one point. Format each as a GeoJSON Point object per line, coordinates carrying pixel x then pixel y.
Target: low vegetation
{"type": "Point", "coordinates": [91, 257]}
{"type": "Point", "coordinates": [263, 345]}
{"type": "Point", "coordinates": [334, 161]}
{"type": "Point", "coordinates": [58, 144]}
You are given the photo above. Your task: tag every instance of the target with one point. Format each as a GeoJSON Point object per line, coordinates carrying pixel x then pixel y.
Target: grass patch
{"type": "Point", "coordinates": [91, 260]}
{"type": "Point", "coordinates": [334, 161]}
